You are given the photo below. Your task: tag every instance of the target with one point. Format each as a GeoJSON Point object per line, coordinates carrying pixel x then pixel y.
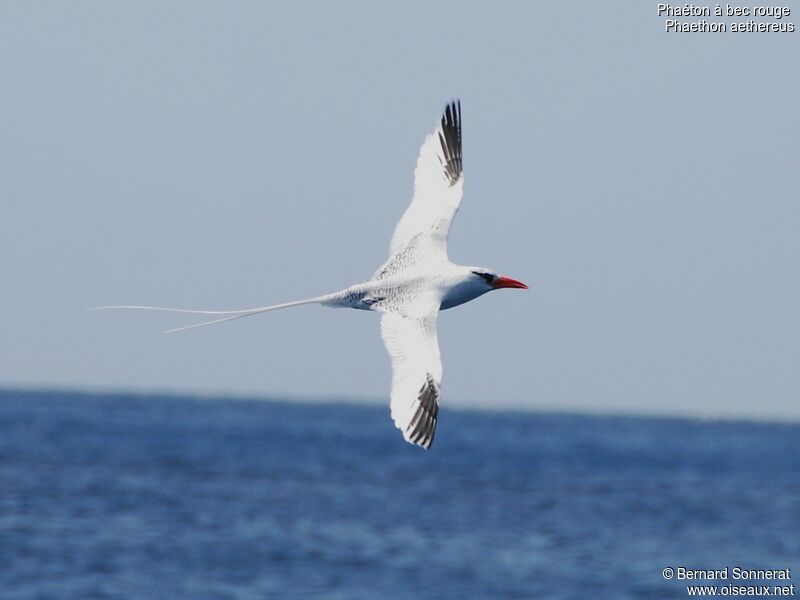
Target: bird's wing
{"type": "Point", "coordinates": [411, 340]}
{"type": "Point", "coordinates": [438, 185]}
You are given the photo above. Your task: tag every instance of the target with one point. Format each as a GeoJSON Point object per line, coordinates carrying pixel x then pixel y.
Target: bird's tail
{"type": "Point", "coordinates": [230, 314]}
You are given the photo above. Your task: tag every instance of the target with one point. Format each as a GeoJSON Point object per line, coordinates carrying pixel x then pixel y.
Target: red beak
{"type": "Point", "coordinates": [507, 282]}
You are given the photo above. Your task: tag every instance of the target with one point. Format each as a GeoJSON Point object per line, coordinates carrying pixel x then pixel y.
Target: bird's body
{"type": "Point", "coordinates": [391, 291]}
{"type": "Point", "coordinates": [413, 285]}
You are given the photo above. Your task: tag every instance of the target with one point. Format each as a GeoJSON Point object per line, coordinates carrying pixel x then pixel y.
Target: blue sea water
{"type": "Point", "coordinates": [113, 496]}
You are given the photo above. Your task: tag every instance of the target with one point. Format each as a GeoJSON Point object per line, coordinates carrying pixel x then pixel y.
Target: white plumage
{"type": "Point", "coordinates": [412, 286]}
{"type": "Point", "coordinates": [438, 186]}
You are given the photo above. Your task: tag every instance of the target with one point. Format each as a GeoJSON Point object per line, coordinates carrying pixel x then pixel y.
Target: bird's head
{"type": "Point", "coordinates": [492, 281]}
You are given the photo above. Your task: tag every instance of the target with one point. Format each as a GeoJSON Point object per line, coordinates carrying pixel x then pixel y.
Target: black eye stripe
{"type": "Point", "coordinates": [487, 277]}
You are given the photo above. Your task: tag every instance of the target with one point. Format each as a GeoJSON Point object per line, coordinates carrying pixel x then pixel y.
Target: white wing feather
{"type": "Point", "coordinates": [412, 342]}
{"type": "Point", "coordinates": [438, 185]}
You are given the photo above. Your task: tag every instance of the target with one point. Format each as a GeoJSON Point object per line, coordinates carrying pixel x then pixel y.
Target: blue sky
{"type": "Point", "coordinates": [644, 185]}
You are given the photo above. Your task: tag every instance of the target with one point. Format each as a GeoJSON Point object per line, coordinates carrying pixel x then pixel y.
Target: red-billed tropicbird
{"type": "Point", "coordinates": [412, 286]}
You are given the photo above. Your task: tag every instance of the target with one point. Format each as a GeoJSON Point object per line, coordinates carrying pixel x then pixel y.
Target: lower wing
{"type": "Point", "coordinates": [413, 346]}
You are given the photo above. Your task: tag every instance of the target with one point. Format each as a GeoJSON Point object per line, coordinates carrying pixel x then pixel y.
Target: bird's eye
{"type": "Point", "coordinates": [487, 277]}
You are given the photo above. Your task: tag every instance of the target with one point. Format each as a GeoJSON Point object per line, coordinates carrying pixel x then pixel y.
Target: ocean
{"type": "Point", "coordinates": [123, 496]}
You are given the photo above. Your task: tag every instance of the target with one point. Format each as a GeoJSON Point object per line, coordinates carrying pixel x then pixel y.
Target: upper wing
{"type": "Point", "coordinates": [438, 184]}
{"type": "Point", "coordinates": [413, 345]}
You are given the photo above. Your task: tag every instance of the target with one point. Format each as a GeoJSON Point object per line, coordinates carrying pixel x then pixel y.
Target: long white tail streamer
{"type": "Point", "coordinates": [234, 314]}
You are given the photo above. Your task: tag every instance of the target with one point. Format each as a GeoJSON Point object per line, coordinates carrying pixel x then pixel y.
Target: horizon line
{"type": "Point", "coordinates": [218, 396]}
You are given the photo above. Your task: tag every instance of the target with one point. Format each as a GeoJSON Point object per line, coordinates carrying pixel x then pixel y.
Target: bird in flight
{"type": "Point", "coordinates": [413, 285]}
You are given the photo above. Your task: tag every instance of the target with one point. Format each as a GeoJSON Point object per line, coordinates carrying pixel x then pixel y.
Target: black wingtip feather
{"type": "Point", "coordinates": [422, 427]}
{"type": "Point", "coordinates": [450, 140]}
